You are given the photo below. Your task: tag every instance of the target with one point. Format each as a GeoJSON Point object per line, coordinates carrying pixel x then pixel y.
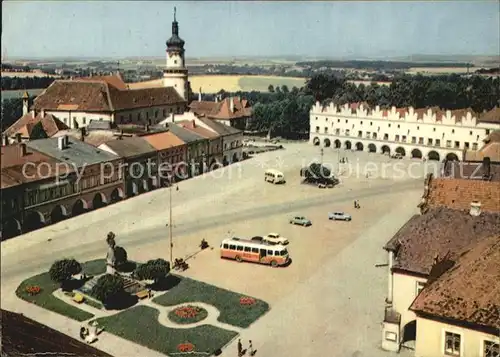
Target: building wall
{"type": "Point", "coordinates": [178, 80]}
{"type": "Point", "coordinates": [331, 123]}
{"type": "Point", "coordinates": [404, 292]}
{"type": "Point", "coordinates": [431, 334]}
{"type": "Point", "coordinates": [232, 147]}
{"type": "Point", "coordinates": [75, 119]}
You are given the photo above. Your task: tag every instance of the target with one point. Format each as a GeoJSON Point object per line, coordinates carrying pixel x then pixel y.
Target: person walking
{"type": "Point", "coordinates": [240, 348]}
{"type": "Point", "coordinates": [250, 348]}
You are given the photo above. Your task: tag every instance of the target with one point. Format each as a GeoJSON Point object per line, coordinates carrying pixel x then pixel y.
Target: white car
{"type": "Point", "coordinates": [275, 238]}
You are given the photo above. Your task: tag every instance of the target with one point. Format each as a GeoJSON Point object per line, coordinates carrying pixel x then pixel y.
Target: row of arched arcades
{"type": "Point", "coordinates": [384, 149]}
{"type": "Point", "coordinates": [35, 219]}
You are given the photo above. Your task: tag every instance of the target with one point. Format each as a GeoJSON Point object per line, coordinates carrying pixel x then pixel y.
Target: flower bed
{"type": "Point", "coordinates": [247, 301]}
{"type": "Point", "coordinates": [33, 290]}
{"type": "Point", "coordinates": [185, 347]}
{"type": "Point", "coordinates": [187, 314]}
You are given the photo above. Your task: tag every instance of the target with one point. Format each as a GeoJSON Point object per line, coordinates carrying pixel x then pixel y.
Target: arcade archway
{"type": "Point", "coordinates": [416, 154]}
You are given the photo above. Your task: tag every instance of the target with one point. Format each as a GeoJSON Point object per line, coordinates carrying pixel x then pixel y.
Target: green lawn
{"type": "Point", "coordinates": [140, 325]}
{"type": "Point", "coordinates": [45, 298]}
{"type": "Point", "coordinates": [228, 302]}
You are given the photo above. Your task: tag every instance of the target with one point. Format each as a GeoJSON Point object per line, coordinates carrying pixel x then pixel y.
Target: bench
{"type": "Point", "coordinates": [78, 298]}
{"type": "Point", "coordinates": [142, 294]}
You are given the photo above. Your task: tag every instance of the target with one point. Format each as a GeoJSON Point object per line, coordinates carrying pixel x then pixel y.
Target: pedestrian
{"type": "Point", "coordinates": [240, 348]}
{"type": "Point", "coordinates": [250, 348]}
{"type": "Point", "coordinates": [355, 204]}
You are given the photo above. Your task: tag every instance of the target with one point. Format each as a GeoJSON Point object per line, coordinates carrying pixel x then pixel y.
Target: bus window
{"type": "Point", "coordinates": [269, 252]}
{"type": "Point", "coordinates": [239, 248]}
{"type": "Point", "coordinates": [255, 250]}
{"type": "Point", "coordinates": [248, 249]}
{"type": "Point", "coordinates": [232, 247]}
{"type": "Point", "coordinates": [226, 245]}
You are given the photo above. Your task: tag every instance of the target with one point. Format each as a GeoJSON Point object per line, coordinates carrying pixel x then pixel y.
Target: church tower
{"type": "Point", "coordinates": [176, 74]}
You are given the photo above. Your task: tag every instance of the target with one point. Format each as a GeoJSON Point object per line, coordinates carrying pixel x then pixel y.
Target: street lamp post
{"type": "Point", "coordinates": [170, 219]}
{"type": "Point", "coordinates": [321, 151]}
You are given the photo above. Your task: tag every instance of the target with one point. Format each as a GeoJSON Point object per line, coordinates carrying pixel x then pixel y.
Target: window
{"type": "Point", "coordinates": [470, 132]}
{"type": "Point", "coordinates": [239, 248]}
{"type": "Point", "coordinates": [361, 122]}
{"type": "Point", "coordinates": [474, 146]}
{"type": "Point", "coordinates": [74, 119]}
{"type": "Point", "coordinates": [346, 121]}
{"type": "Point", "coordinates": [374, 135]}
{"type": "Point", "coordinates": [429, 141]}
{"type": "Point", "coordinates": [360, 133]}
{"type": "Point", "coordinates": [316, 118]}
{"type": "Point", "coordinates": [269, 252]}
{"type": "Point", "coordinates": [391, 336]}
{"type": "Point", "coordinates": [487, 131]}
{"type": "Point", "coordinates": [448, 143]}
{"type": "Point", "coordinates": [413, 139]}
{"type": "Point", "coordinates": [466, 145]}
{"type": "Point", "coordinates": [225, 246]}
{"type": "Point", "coordinates": [491, 349]}
{"type": "Point", "coordinates": [175, 61]}
{"type": "Point", "coordinates": [389, 125]}
{"type": "Point", "coordinates": [248, 249]}
{"type": "Point", "coordinates": [232, 247]}
{"type": "Point", "coordinates": [420, 287]}
{"type": "Point", "coordinates": [433, 129]}
{"type": "Point", "coordinates": [338, 120]}
{"type": "Point", "coordinates": [437, 142]}
{"type": "Point", "coordinates": [457, 144]}
{"type": "Point", "coordinates": [452, 344]}
{"type": "Point", "coordinates": [84, 120]}
{"type": "Point", "coordinates": [371, 123]}
{"type": "Point", "coordinates": [418, 128]}
{"type": "Point", "coordinates": [100, 119]}
{"type": "Point", "coordinates": [317, 129]}
{"type": "Point", "coordinates": [326, 130]}
{"type": "Point", "coordinates": [403, 139]}
{"type": "Point", "coordinates": [347, 132]}
{"type": "Point", "coordinates": [326, 119]}
{"type": "Point", "coordinates": [399, 126]}
{"type": "Point", "coordinates": [421, 141]}
{"type": "Point", "coordinates": [255, 250]}
{"type": "Point", "coordinates": [386, 136]}
{"type": "Point", "coordinates": [453, 131]}
{"type": "Point", "coordinates": [396, 138]}
{"type": "Point", "coordinates": [337, 131]}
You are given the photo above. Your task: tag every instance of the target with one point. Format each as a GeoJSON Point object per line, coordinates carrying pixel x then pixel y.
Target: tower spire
{"type": "Point", "coordinates": [175, 12]}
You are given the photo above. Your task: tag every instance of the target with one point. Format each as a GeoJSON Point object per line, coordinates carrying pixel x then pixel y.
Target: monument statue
{"type": "Point", "coordinates": [110, 257]}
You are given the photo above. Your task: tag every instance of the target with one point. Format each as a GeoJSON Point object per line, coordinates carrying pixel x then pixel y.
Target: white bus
{"type": "Point", "coordinates": [254, 251]}
{"type": "Point", "coordinates": [274, 176]}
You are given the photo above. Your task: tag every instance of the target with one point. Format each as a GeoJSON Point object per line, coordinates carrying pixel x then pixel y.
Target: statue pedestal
{"type": "Point", "coordinates": [110, 269]}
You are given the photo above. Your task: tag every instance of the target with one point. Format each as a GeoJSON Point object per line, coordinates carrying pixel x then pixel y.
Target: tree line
{"type": "Point", "coordinates": [20, 83]}
{"type": "Point", "coordinates": [446, 92]}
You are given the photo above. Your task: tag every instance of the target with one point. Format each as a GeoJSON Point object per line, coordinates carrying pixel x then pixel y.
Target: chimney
{"type": "Point", "coordinates": [231, 104]}
{"type": "Point", "coordinates": [60, 142]}
{"type": "Point", "coordinates": [42, 113]}
{"type": "Point", "coordinates": [199, 95]}
{"type": "Point", "coordinates": [25, 105]}
{"type": "Point", "coordinates": [18, 138]}
{"type": "Point", "coordinates": [33, 113]}
{"type": "Point", "coordinates": [475, 208]}
{"type": "Point", "coordinates": [23, 149]}
{"type": "Point", "coordinates": [486, 168]}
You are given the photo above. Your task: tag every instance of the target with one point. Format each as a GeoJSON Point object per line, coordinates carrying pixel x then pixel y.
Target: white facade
{"type": "Point", "coordinates": [410, 132]}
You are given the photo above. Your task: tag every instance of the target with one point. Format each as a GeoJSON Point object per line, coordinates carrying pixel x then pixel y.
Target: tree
{"type": "Point", "coordinates": [108, 287]}
{"type": "Point", "coordinates": [121, 257]}
{"type": "Point", "coordinates": [323, 86]}
{"type": "Point", "coordinates": [284, 89]}
{"type": "Point", "coordinates": [153, 270]}
{"type": "Point", "coordinates": [12, 110]}
{"type": "Point", "coordinates": [61, 271]}
{"type": "Point", "coordinates": [270, 89]}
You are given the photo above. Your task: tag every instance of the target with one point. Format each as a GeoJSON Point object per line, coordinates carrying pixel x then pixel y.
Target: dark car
{"type": "Point", "coordinates": [258, 238]}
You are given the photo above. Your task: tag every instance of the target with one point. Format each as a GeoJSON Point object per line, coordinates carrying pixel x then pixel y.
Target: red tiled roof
{"type": "Point", "coordinates": [114, 80]}
{"type": "Point", "coordinates": [492, 116]}
{"type": "Point", "coordinates": [163, 140]}
{"type": "Point", "coordinates": [222, 110]}
{"type": "Point", "coordinates": [470, 290]}
{"type": "Point", "coordinates": [99, 96]}
{"type": "Point", "coordinates": [25, 124]}
{"type": "Point", "coordinates": [439, 232]}
{"type": "Point", "coordinates": [458, 194]}
{"type": "Point", "coordinates": [12, 164]}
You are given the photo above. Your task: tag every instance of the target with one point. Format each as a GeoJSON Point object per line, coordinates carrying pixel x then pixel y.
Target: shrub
{"type": "Point", "coordinates": [121, 257]}
{"type": "Point", "coordinates": [108, 287]}
{"type": "Point", "coordinates": [153, 270]}
{"type": "Point", "coordinates": [62, 270]}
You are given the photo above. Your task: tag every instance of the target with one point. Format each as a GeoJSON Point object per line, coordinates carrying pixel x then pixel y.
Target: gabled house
{"type": "Point", "coordinates": [32, 126]}
{"type": "Point", "coordinates": [234, 111]}
{"type": "Point", "coordinates": [454, 214]}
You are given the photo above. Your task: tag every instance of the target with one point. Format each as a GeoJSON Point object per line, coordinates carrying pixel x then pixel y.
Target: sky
{"type": "Point", "coordinates": [374, 29]}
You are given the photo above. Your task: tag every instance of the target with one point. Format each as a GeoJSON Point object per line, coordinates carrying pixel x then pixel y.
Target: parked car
{"type": "Point", "coordinates": [339, 216]}
{"type": "Point", "coordinates": [258, 238]}
{"type": "Point", "coordinates": [301, 221]}
{"type": "Point", "coordinates": [275, 238]}
{"type": "Point", "coordinates": [397, 156]}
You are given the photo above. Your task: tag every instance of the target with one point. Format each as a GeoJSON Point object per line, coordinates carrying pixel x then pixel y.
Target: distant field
{"type": "Point", "coordinates": [27, 74]}
{"type": "Point", "coordinates": [437, 70]}
{"type": "Point", "coordinates": [9, 94]}
{"type": "Point", "coordinates": [230, 83]}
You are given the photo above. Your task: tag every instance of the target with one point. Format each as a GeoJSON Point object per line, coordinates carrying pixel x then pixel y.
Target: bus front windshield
{"type": "Point", "coordinates": [284, 252]}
